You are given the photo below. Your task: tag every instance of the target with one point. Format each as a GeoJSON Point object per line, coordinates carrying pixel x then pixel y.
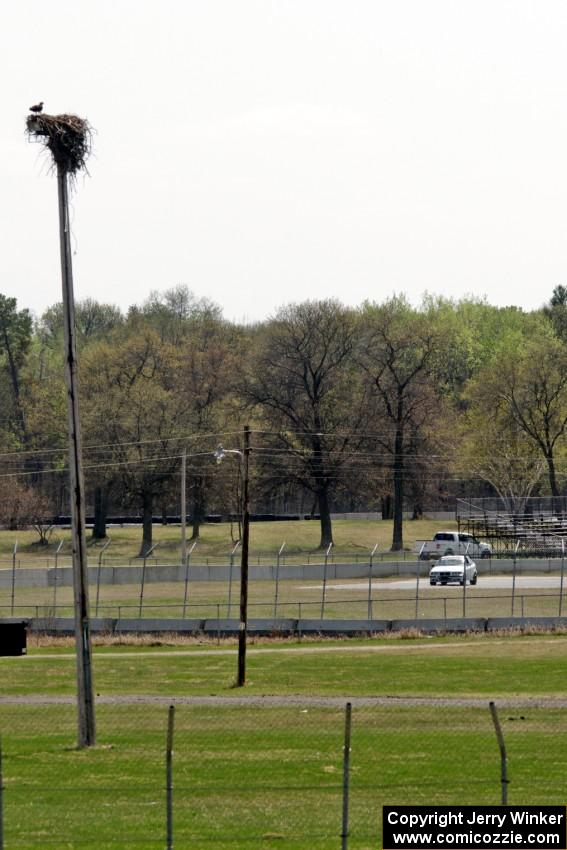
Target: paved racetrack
{"type": "Point", "coordinates": [487, 582]}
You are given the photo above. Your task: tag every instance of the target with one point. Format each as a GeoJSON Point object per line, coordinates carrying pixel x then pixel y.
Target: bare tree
{"type": "Point", "coordinates": [395, 351]}
{"type": "Point", "coordinates": [302, 378]}
{"type": "Point", "coordinates": [133, 405]}
{"type": "Point", "coordinates": [22, 506]}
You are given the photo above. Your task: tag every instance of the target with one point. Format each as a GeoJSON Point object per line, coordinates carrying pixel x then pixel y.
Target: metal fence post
{"type": "Point", "coordinates": [57, 553]}
{"type": "Point", "coordinates": [324, 588]}
{"type": "Point", "coordinates": [186, 590]}
{"type": "Point", "coordinates": [276, 593]}
{"type": "Point", "coordinates": [514, 576]}
{"type": "Point", "coordinates": [142, 589]}
{"type": "Point", "coordinates": [370, 582]}
{"type": "Point", "coordinates": [100, 554]}
{"type": "Point", "coordinates": [147, 554]}
{"type": "Point", "coordinates": [103, 550]}
{"type": "Point", "coordinates": [56, 578]}
{"type": "Point", "coordinates": [465, 580]}
{"type": "Point", "coordinates": [562, 574]}
{"type": "Point", "coordinates": [236, 545]}
{"type": "Point", "coordinates": [417, 582]}
{"type": "Point", "coordinates": [169, 778]}
{"type": "Point", "coordinates": [346, 775]}
{"type": "Point", "coordinates": [503, 759]}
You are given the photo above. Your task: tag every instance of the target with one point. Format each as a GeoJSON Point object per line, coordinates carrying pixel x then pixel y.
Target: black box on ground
{"type": "Point", "coordinates": [13, 637]}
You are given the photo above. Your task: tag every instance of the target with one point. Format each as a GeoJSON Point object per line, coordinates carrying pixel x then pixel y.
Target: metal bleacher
{"type": "Point", "coordinates": [535, 527]}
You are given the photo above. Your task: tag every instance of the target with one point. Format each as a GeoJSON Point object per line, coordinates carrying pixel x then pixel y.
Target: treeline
{"type": "Point", "coordinates": [384, 407]}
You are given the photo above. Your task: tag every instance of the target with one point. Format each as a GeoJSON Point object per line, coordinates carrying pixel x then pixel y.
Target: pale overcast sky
{"type": "Point", "coordinates": [266, 151]}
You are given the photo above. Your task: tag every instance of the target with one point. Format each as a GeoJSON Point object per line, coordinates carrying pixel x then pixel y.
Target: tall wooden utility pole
{"type": "Point", "coordinates": [184, 508]}
{"type": "Point", "coordinates": [85, 697]}
{"type": "Point", "coordinates": [68, 139]}
{"type": "Point", "coordinates": [242, 634]}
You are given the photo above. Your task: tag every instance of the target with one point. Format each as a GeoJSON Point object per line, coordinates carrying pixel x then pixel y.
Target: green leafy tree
{"type": "Point", "coordinates": [471, 333]}
{"type": "Point", "coordinates": [556, 312]}
{"type": "Point", "coordinates": [171, 313]}
{"type": "Point", "coordinates": [15, 340]}
{"type": "Point", "coordinates": [529, 386]}
{"type": "Point", "coordinates": [93, 321]}
{"type": "Point", "coordinates": [495, 449]}
{"type": "Point", "coordinates": [210, 357]}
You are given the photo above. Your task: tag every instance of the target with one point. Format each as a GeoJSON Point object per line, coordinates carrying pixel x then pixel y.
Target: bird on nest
{"type": "Point", "coordinates": [37, 107]}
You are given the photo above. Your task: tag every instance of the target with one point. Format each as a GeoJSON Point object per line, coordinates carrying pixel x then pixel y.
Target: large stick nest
{"type": "Point", "coordinates": [67, 137]}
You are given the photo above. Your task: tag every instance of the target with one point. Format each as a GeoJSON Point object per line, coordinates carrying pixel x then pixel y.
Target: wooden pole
{"type": "Point", "coordinates": [85, 699]}
{"type": "Point", "coordinates": [242, 633]}
{"type": "Point", "coordinates": [503, 757]}
{"type": "Point", "coordinates": [184, 508]}
{"type": "Point", "coordinates": [13, 578]}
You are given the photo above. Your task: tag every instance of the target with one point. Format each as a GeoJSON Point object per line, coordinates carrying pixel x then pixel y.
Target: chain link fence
{"type": "Point", "coordinates": [167, 602]}
{"type": "Point", "coordinates": [255, 774]}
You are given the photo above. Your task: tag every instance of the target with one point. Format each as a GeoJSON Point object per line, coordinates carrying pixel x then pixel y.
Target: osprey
{"type": "Point", "coordinates": [38, 107]}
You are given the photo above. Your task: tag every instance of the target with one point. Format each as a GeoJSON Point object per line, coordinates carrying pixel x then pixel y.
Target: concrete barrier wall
{"type": "Point", "coordinates": [153, 626]}
{"type": "Point", "coordinates": [290, 627]}
{"type": "Point", "coordinates": [47, 577]}
{"type": "Point", "coordinates": [330, 627]}
{"type": "Point", "coordinates": [66, 625]}
{"type": "Point", "coordinates": [496, 623]}
{"type": "Point", "coordinates": [25, 577]}
{"type": "Point", "coordinates": [460, 624]}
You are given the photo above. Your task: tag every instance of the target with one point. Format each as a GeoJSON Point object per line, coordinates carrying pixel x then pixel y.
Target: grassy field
{"type": "Point", "coordinates": [247, 778]}
{"type": "Point", "coordinates": [263, 775]}
{"type": "Point", "coordinates": [296, 599]}
{"type": "Point", "coordinates": [435, 667]}
{"type": "Point", "coordinates": [218, 539]}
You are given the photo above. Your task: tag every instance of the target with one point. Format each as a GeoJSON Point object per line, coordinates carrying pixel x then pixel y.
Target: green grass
{"type": "Point", "coordinates": [475, 666]}
{"type": "Point", "coordinates": [296, 599]}
{"type": "Point", "coordinates": [217, 540]}
{"type": "Point", "coordinates": [269, 776]}
{"type": "Point", "coordinates": [252, 777]}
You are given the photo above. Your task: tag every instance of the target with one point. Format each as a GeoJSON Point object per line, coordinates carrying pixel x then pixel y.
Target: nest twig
{"type": "Point", "coordinates": [67, 137]}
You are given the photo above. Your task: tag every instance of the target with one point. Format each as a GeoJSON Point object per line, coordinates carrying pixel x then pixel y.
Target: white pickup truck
{"type": "Point", "coordinates": [452, 543]}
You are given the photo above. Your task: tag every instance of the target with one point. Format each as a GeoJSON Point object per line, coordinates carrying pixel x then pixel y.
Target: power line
{"type": "Point", "coordinates": [215, 434]}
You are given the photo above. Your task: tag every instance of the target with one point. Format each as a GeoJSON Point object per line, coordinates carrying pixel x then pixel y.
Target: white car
{"type": "Point", "coordinates": [453, 569]}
